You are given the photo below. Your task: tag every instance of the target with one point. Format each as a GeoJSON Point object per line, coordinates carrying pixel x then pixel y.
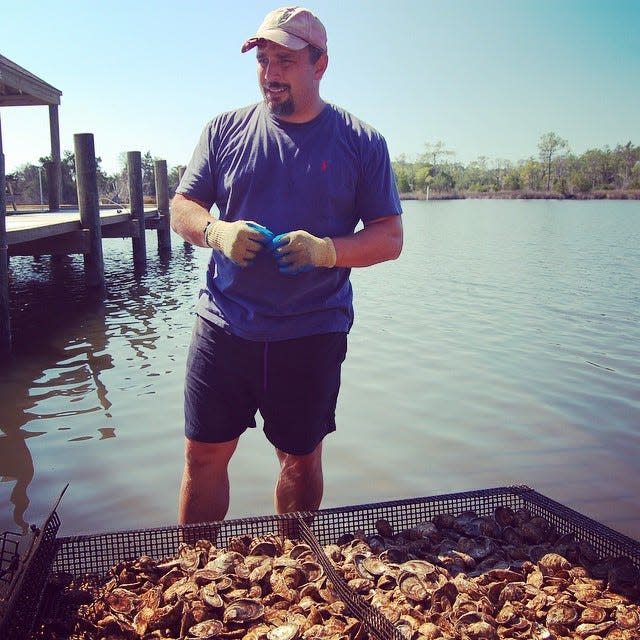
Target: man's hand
{"type": "Point", "coordinates": [298, 251]}
{"type": "Point", "coordinates": [239, 241]}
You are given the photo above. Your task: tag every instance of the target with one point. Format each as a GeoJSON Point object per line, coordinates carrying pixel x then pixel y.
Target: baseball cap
{"type": "Point", "coordinates": [291, 27]}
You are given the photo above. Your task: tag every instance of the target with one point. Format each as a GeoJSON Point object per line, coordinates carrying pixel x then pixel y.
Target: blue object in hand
{"type": "Point", "coordinates": [267, 233]}
{"type": "Point", "coordinates": [277, 242]}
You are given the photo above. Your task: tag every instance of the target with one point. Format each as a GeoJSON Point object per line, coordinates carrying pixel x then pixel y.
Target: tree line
{"type": "Point", "coordinates": [554, 172]}
{"type": "Point", "coordinates": [29, 182]}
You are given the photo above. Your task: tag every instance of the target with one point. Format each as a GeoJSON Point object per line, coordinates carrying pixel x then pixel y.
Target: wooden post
{"type": "Point", "coordinates": [55, 174]}
{"type": "Point", "coordinates": [136, 206]}
{"type": "Point", "coordinates": [162, 199]}
{"type": "Point", "coordinates": [89, 204]}
{"type": "Point", "coordinates": [5, 324]}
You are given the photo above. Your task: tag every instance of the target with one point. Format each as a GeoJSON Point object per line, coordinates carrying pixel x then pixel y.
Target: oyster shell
{"type": "Point", "coordinates": [206, 630]}
{"type": "Point", "coordinates": [243, 610]}
{"type": "Point", "coordinates": [287, 631]}
{"type": "Point", "coordinates": [413, 587]}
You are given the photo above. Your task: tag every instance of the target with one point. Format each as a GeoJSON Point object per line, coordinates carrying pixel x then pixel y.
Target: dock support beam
{"type": "Point", "coordinates": [89, 204]}
{"type": "Point", "coordinates": [162, 200]}
{"type": "Point", "coordinates": [54, 172]}
{"type": "Point", "coordinates": [136, 206]}
{"type": "Point", "coordinates": [5, 323]}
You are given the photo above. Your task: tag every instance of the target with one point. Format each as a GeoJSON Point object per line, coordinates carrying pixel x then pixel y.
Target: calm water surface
{"type": "Point", "coordinates": [503, 347]}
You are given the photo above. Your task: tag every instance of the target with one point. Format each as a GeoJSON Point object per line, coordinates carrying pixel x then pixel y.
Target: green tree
{"type": "Point", "coordinates": [532, 174]}
{"type": "Point", "coordinates": [434, 151]}
{"type": "Point", "coordinates": [402, 180]}
{"type": "Point", "coordinates": [173, 179]}
{"type": "Point", "coordinates": [423, 177]}
{"type": "Point", "coordinates": [626, 158]}
{"type": "Point", "coordinates": [148, 175]}
{"type": "Point", "coordinates": [635, 176]}
{"type": "Point", "coordinates": [550, 144]}
{"type": "Point", "coordinates": [512, 180]}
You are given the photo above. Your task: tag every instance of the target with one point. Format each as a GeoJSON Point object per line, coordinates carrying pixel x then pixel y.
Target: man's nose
{"type": "Point", "coordinates": [272, 71]}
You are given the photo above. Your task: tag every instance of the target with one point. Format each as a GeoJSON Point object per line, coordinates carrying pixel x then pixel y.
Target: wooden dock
{"type": "Point", "coordinates": [45, 233]}
{"type": "Point", "coordinates": [82, 230]}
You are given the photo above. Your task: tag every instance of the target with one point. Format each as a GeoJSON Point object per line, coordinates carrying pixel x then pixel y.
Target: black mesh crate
{"type": "Point", "coordinates": [92, 556]}
{"type": "Point", "coordinates": [26, 574]}
{"type": "Point", "coordinates": [329, 524]}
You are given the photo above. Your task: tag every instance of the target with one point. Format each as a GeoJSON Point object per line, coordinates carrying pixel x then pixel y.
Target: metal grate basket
{"type": "Point", "coordinates": [9, 559]}
{"type": "Point", "coordinates": [27, 576]}
{"type": "Point", "coordinates": [329, 524]}
{"type": "Point", "coordinates": [92, 556]}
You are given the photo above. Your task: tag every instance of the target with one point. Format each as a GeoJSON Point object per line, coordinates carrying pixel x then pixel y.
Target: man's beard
{"type": "Point", "coordinates": [285, 108]}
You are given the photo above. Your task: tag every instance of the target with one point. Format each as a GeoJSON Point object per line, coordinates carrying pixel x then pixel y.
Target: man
{"type": "Point", "coordinates": [291, 177]}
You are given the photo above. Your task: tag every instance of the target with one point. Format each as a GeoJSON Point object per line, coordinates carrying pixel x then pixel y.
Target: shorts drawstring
{"type": "Point", "coordinates": [265, 355]}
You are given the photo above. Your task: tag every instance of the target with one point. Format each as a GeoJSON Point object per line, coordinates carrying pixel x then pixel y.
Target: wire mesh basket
{"type": "Point", "coordinates": [9, 558]}
{"type": "Point", "coordinates": [328, 524]}
{"type": "Point", "coordinates": [92, 556]}
{"type": "Point", "coordinates": [26, 576]}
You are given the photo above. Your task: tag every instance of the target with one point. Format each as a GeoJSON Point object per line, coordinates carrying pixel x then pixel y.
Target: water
{"type": "Point", "coordinates": [501, 348]}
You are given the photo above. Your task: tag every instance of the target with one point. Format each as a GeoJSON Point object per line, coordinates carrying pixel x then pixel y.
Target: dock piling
{"type": "Point", "coordinates": [54, 172]}
{"type": "Point", "coordinates": [136, 204]}
{"type": "Point", "coordinates": [5, 323]}
{"type": "Point", "coordinates": [89, 204]}
{"type": "Point", "coordinates": [162, 200]}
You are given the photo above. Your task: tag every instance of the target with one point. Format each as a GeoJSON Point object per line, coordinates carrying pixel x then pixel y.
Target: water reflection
{"type": "Point", "coordinates": [48, 381]}
{"type": "Point", "coordinates": [502, 348]}
{"type": "Point", "coordinates": [16, 465]}
{"type": "Point", "coordinates": [65, 339]}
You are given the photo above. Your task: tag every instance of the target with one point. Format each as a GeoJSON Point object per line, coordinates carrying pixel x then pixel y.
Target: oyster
{"type": "Point", "coordinates": [121, 600]}
{"type": "Point", "coordinates": [287, 631]}
{"type": "Point", "coordinates": [413, 587]}
{"type": "Point", "coordinates": [460, 577]}
{"type": "Point", "coordinates": [207, 630]}
{"type": "Point", "coordinates": [561, 617]}
{"type": "Point", "coordinates": [243, 610]}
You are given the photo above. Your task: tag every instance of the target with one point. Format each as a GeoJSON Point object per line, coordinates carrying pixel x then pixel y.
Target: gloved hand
{"type": "Point", "coordinates": [298, 251]}
{"type": "Point", "coordinates": [239, 241]}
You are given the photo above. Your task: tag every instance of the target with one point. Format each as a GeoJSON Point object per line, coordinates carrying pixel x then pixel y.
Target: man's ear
{"type": "Point", "coordinates": [321, 66]}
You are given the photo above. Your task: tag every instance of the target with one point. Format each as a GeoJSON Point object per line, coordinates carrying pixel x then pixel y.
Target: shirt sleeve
{"type": "Point", "coordinates": [377, 194]}
{"type": "Point", "coordinates": [198, 180]}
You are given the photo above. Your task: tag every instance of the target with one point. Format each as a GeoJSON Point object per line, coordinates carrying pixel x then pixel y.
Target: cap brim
{"type": "Point", "coordinates": [278, 36]}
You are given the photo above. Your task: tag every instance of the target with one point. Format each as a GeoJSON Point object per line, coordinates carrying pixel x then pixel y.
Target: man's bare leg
{"type": "Point", "coordinates": [300, 484]}
{"type": "Point", "coordinates": [204, 493]}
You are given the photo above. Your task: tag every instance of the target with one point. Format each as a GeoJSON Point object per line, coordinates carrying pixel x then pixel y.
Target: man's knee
{"type": "Point", "coordinates": [303, 464]}
{"type": "Point", "coordinates": [208, 453]}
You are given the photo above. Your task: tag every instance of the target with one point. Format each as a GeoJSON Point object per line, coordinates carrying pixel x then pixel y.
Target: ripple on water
{"type": "Point", "coordinates": [501, 348]}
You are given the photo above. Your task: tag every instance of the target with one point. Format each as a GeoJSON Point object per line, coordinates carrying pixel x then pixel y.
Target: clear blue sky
{"type": "Point", "coordinates": [486, 77]}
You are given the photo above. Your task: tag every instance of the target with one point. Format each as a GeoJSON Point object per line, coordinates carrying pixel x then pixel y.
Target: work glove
{"type": "Point", "coordinates": [299, 251]}
{"type": "Point", "coordinates": [239, 241]}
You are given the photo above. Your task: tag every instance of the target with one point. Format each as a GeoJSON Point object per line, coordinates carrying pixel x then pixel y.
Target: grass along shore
{"type": "Point", "coordinates": [602, 194]}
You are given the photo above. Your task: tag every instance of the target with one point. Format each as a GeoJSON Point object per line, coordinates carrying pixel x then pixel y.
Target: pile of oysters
{"type": "Point", "coordinates": [463, 577]}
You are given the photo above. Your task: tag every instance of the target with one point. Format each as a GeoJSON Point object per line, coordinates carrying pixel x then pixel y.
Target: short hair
{"type": "Point", "coordinates": [314, 53]}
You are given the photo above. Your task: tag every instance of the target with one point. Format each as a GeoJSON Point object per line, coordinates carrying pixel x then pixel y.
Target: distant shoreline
{"type": "Point", "coordinates": [613, 194]}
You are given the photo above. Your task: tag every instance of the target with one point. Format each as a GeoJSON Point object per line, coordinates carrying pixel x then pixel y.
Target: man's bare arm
{"type": "Point", "coordinates": [189, 218]}
{"type": "Point", "coordinates": [239, 241]}
{"type": "Point", "coordinates": [379, 240]}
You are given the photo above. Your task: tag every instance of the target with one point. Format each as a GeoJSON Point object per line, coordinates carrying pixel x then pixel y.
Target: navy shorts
{"type": "Point", "coordinates": [294, 385]}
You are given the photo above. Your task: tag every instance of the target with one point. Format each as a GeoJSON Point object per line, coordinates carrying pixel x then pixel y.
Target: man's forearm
{"type": "Point", "coordinates": [189, 218]}
{"type": "Point", "coordinates": [377, 242]}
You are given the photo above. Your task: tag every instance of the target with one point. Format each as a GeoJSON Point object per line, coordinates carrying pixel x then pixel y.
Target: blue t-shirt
{"type": "Point", "coordinates": [323, 176]}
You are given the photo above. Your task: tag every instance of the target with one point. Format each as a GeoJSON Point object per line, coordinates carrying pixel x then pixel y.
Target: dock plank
{"type": "Point", "coordinates": [27, 227]}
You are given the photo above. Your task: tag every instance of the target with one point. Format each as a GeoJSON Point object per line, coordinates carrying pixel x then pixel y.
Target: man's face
{"type": "Point", "coordinates": [289, 80]}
